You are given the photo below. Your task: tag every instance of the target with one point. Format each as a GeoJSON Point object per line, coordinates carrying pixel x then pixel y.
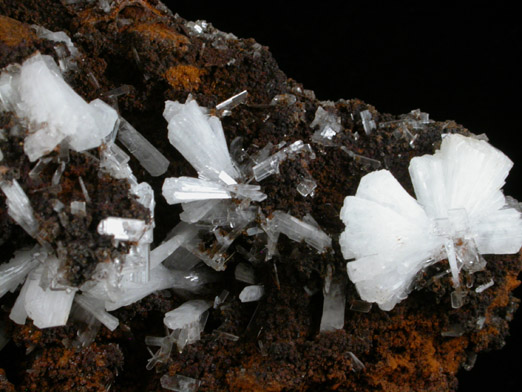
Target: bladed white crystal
{"type": "Point", "coordinates": [147, 155]}
{"type": "Point", "coordinates": [14, 272]}
{"type": "Point", "coordinates": [460, 212]}
{"type": "Point", "coordinates": [47, 308]}
{"type": "Point", "coordinates": [186, 315]}
{"type": "Point", "coordinates": [187, 189]}
{"type": "Point", "coordinates": [19, 207]}
{"type": "Point", "coordinates": [181, 234]}
{"type": "Point", "coordinates": [299, 230]}
{"type": "Point", "coordinates": [124, 229]}
{"type": "Point", "coordinates": [97, 309]}
{"type": "Point", "coordinates": [54, 110]}
{"type": "Point", "coordinates": [128, 292]}
{"type": "Point", "coordinates": [199, 138]}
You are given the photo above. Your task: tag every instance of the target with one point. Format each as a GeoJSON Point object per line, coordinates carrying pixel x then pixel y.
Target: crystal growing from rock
{"type": "Point", "coordinates": [333, 308]}
{"type": "Point", "coordinates": [200, 139]}
{"type": "Point", "coordinates": [179, 383]}
{"type": "Point", "coordinates": [187, 189]}
{"type": "Point", "coordinates": [270, 165]}
{"type": "Point", "coordinates": [14, 272]}
{"type": "Point", "coordinates": [47, 308]}
{"type": "Point", "coordinates": [124, 229]}
{"type": "Point", "coordinates": [19, 206]}
{"type": "Point", "coordinates": [38, 93]}
{"type": "Point", "coordinates": [298, 231]}
{"type": "Point", "coordinates": [147, 155]}
{"type": "Point", "coordinates": [97, 309]}
{"type": "Point", "coordinates": [460, 212]}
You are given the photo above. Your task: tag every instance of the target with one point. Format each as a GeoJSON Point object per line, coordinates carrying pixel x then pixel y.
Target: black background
{"type": "Point", "coordinates": [459, 63]}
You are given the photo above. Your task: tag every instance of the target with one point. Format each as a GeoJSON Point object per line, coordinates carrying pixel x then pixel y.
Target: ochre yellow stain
{"type": "Point", "coordinates": [13, 33]}
{"type": "Point", "coordinates": [185, 77]}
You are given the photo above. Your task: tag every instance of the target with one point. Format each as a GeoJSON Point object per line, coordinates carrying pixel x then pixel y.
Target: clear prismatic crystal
{"type": "Point", "coordinates": [297, 230]}
{"type": "Point", "coordinates": [19, 206]}
{"type": "Point", "coordinates": [460, 213]}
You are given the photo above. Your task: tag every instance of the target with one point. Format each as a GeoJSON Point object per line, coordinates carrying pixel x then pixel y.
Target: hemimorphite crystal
{"type": "Point", "coordinates": [147, 155]}
{"type": "Point", "coordinates": [187, 189]}
{"type": "Point", "coordinates": [14, 272]}
{"type": "Point", "coordinates": [270, 165]}
{"type": "Point", "coordinates": [179, 383]}
{"type": "Point", "coordinates": [97, 309]}
{"type": "Point", "coordinates": [186, 315]}
{"type": "Point", "coordinates": [459, 213]}
{"type": "Point", "coordinates": [38, 93]}
{"type": "Point", "coordinates": [200, 139]}
{"type": "Point", "coordinates": [298, 231]}
{"type": "Point", "coordinates": [19, 206]}
{"type": "Point", "coordinates": [47, 308]}
{"type": "Point", "coordinates": [252, 293]}
{"type": "Point", "coordinates": [124, 229]}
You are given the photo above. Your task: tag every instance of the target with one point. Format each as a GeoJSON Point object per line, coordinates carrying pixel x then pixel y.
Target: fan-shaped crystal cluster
{"type": "Point", "coordinates": [460, 213]}
{"type": "Point", "coordinates": [37, 92]}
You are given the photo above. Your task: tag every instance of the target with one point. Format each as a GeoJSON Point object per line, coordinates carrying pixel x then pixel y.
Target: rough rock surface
{"type": "Point", "coordinates": [160, 56]}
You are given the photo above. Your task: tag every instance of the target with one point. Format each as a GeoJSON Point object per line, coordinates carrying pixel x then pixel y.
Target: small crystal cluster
{"type": "Point", "coordinates": [221, 195]}
{"type": "Point", "coordinates": [460, 213]}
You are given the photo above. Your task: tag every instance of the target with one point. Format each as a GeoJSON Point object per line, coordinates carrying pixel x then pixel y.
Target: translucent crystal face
{"type": "Point", "coordinates": [38, 93]}
{"type": "Point", "coordinates": [460, 213]}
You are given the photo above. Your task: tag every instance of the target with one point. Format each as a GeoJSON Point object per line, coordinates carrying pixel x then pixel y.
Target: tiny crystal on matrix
{"type": "Point", "coordinates": [460, 213]}
{"type": "Point", "coordinates": [252, 293]}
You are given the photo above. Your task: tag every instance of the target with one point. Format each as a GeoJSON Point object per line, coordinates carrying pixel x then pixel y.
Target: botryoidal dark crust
{"type": "Point", "coordinates": [279, 347]}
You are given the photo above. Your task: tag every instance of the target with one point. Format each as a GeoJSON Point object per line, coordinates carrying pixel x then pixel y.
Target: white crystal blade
{"type": "Point", "coordinates": [382, 188]}
{"type": "Point", "coordinates": [298, 230]}
{"type": "Point", "coordinates": [47, 308]}
{"type": "Point", "coordinates": [181, 235]}
{"type": "Point", "coordinates": [62, 113]}
{"type": "Point", "coordinates": [124, 229]}
{"type": "Point", "coordinates": [19, 206]}
{"type": "Point", "coordinates": [14, 272]}
{"type": "Point", "coordinates": [186, 315]}
{"type": "Point", "coordinates": [199, 139]}
{"type": "Point", "coordinates": [188, 189]}
{"type": "Point", "coordinates": [499, 232]}
{"type": "Point", "coordinates": [97, 309]}
{"type": "Point", "coordinates": [147, 155]}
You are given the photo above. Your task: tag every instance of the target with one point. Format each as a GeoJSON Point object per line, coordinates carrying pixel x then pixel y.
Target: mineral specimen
{"type": "Point", "coordinates": [234, 279]}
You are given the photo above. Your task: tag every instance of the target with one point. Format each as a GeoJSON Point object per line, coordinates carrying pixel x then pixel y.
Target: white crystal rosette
{"type": "Point", "coordinates": [460, 213]}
